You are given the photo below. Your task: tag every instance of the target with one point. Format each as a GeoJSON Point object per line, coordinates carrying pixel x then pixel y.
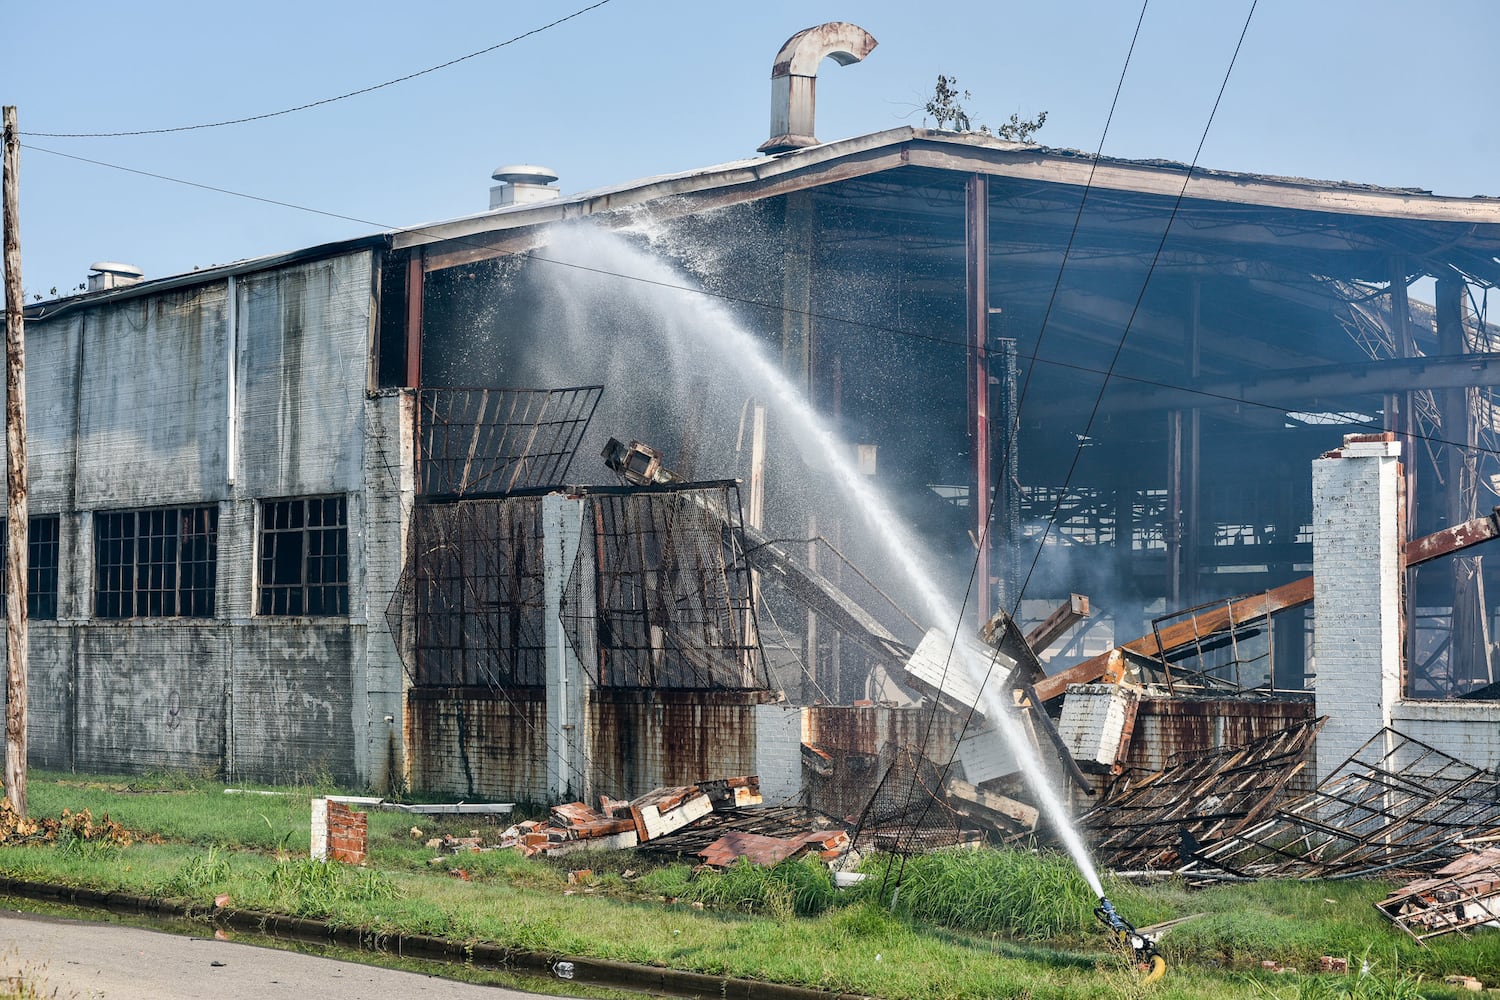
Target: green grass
{"type": "Point", "coordinates": [965, 924]}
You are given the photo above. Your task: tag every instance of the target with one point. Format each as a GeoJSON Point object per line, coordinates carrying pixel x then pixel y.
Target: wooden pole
{"type": "Point", "coordinates": [16, 486]}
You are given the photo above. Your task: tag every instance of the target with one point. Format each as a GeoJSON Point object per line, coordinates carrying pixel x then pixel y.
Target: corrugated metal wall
{"type": "Point", "coordinates": [478, 742]}
{"type": "Point", "coordinates": [1167, 726]}
{"type": "Point", "coordinates": [642, 739]}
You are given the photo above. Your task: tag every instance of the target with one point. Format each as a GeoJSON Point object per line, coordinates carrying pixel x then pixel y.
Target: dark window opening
{"type": "Point", "coordinates": [304, 556]}
{"type": "Point", "coordinates": [41, 566]}
{"type": "Point", "coordinates": [156, 563]}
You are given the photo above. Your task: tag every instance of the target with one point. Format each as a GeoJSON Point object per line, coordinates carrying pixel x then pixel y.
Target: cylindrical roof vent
{"type": "Point", "coordinates": [522, 184]}
{"type": "Point", "coordinates": [109, 274]}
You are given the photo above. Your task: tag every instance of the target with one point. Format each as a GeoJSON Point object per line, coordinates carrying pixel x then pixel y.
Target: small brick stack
{"type": "Point", "coordinates": [338, 833]}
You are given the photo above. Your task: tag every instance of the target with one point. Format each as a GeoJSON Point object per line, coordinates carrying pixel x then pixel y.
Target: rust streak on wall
{"type": "Point", "coordinates": [1168, 726]}
{"type": "Point", "coordinates": [478, 741]}
{"type": "Point", "coordinates": [648, 738]}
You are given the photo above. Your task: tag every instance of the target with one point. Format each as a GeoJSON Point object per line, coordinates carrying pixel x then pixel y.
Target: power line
{"type": "Point", "coordinates": [1093, 414]}
{"type": "Point", "coordinates": [1135, 310]}
{"type": "Point", "coordinates": [326, 100]}
{"type": "Point", "coordinates": [1013, 432]}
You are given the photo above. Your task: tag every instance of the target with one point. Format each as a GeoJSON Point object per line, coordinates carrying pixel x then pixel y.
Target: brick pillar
{"type": "Point", "coordinates": [338, 833]}
{"type": "Point", "coordinates": [1358, 570]}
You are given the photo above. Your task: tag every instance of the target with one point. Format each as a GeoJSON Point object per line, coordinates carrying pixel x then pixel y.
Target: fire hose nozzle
{"type": "Point", "coordinates": [1143, 947]}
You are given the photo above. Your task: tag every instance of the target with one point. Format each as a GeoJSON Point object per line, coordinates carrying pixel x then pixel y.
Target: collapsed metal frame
{"type": "Point", "coordinates": [1200, 797]}
{"type": "Point", "coordinates": [1216, 658]}
{"type": "Point", "coordinates": [490, 442]}
{"type": "Point", "coordinates": [1396, 803]}
{"type": "Point", "coordinates": [909, 811]}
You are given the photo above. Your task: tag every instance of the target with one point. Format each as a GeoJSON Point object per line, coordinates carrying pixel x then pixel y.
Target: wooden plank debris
{"type": "Point", "coordinates": [1460, 895]}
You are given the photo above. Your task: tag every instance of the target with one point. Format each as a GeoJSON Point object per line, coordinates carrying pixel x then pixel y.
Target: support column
{"type": "Point", "coordinates": [1358, 571]}
{"type": "Point", "coordinates": [1469, 639]}
{"type": "Point", "coordinates": [568, 777]}
{"type": "Point", "coordinates": [977, 300]}
{"type": "Point", "coordinates": [1183, 432]}
{"type": "Point", "coordinates": [1400, 417]}
{"type": "Point", "coordinates": [796, 352]}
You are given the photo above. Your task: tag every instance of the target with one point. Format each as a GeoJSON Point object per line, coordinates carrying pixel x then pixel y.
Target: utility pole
{"type": "Point", "coordinates": [16, 481]}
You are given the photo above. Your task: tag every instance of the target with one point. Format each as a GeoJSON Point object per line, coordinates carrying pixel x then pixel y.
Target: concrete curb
{"type": "Point", "coordinates": [584, 971]}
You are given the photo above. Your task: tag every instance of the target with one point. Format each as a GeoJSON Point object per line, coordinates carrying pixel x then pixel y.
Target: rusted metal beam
{"type": "Point", "coordinates": [414, 290]}
{"type": "Point", "coordinates": [1111, 665]}
{"type": "Point", "coordinates": [1051, 628]}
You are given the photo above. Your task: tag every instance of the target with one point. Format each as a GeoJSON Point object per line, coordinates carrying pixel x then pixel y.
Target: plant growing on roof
{"type": "Point", "coordinates": [946, 106]}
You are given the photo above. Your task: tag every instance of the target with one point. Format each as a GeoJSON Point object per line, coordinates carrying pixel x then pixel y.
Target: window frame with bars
{"type": "Point", "coordinates": [312, 594]}
{"type": "Point", "coordinates": [163, 563]}
{"type": "Point", "coordinates": [43, 552]}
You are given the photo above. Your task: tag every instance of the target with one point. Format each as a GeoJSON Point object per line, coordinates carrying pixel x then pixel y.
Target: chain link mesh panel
{"type": "Point", "coordinates": [660, 595]}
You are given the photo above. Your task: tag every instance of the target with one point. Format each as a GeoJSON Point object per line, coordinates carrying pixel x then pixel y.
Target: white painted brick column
{"type": "Point", "coordinates": [1358, 563]}
{"type": "Point", "coordinates": [567, 684]}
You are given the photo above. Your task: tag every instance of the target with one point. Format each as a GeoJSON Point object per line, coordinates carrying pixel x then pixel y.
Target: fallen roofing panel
{"type": "Point", "coordinates": [1205, 796]}
{"type": "Point", "coordinates": [760, 849]}
{"type": "Point", "coordinates": [1397, 803]}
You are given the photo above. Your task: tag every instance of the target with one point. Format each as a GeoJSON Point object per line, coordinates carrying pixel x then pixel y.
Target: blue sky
{"type": "Point", "coordinates": [1377, 92]}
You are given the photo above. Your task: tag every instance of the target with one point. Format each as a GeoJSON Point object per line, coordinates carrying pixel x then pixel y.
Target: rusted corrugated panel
{"type": "Point", "coordinates": [479, 742]}
{"type": "Point", "coordinates": [853, 738]}
{"type": "Point", "coordinates": [866, 729]}
{"type": "Point", "coordinates": [1165, 727]}
{"type": "Point", "coordinates": [644, 739]}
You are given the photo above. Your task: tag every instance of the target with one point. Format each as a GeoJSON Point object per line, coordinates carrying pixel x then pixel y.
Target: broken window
{"type": "Point", "coordinates": [304, 556]}
{"type": "Point", "coordinates": [41, 567]}
{"type": "Point", "coordinates": [158, 563]}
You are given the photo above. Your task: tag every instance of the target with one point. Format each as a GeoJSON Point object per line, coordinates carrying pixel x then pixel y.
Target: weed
{"type": "Point", "coordinates": [800, 887]}
{"type": "Point", "coordinates": [1031, 895]}
{"type": "Point", "coordinates": [199, 874]}
{"type": "Point", "coordinates": [319, 888]}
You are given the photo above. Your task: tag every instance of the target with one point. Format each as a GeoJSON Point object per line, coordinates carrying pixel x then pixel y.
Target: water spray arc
{"type": "Point", "coordinates": [706, 325]}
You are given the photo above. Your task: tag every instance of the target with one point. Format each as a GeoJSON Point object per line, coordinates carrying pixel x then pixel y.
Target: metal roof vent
{"type": "Point", "coordinates": [522, 184]}
{"type": "Point", "coordinates": [109, 274]}
{"type": "Point", "coordinates": [794, 79]}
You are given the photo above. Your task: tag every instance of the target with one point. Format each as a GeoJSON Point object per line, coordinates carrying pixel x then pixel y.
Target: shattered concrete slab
{"type": "Point", "coordinates": [1097, 722]}
{"type": "Point", "coordinates": [1463, 894]}
{"type": "Point", "coordinates": [660, 812]}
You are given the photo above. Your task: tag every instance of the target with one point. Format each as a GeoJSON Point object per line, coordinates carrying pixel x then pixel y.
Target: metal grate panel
{"type": "Point", "coordinates": [489, 442]}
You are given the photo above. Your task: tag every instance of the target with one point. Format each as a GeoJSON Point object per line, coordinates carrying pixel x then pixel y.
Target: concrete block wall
{"type": "Point", "coordinates": [1358, 553]}
{"type": "Point", "coordinates": [227, 393]}
{"type": "Point", "coordinates": [1468, 730]}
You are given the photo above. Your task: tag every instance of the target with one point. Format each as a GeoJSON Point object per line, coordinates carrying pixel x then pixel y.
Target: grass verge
{"type": "Point", "coordinates": [964, 925]}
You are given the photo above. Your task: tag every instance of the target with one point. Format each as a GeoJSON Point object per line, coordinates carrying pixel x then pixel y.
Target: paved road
{"type": "Point", "coordinates": [84, 960]}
